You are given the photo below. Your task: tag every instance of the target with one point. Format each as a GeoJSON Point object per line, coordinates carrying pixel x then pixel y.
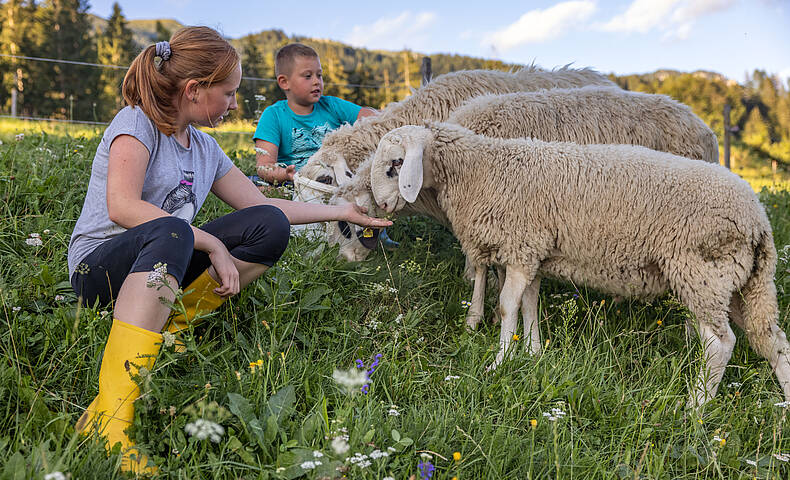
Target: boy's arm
{"type": "Point", "coordinates": [266, 163]}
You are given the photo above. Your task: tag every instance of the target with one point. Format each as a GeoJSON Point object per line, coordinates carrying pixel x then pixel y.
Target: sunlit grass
{"type": "Point", "coordinates": [262, 366]}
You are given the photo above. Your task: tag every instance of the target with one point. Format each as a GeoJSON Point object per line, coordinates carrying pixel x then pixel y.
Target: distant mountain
{"type": "Point", "coordinates": [144, 31]}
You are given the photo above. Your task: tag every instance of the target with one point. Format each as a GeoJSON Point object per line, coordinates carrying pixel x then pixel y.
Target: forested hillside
{"type": "Point", "coordinates": [64, 29]}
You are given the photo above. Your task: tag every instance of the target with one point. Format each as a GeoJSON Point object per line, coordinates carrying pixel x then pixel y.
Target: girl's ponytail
{"type": "Point", "coordinates": [155, 84]}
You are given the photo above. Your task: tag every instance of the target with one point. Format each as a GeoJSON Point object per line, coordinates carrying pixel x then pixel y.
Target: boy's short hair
{"type": "Point", "coordinates": [284, 58]}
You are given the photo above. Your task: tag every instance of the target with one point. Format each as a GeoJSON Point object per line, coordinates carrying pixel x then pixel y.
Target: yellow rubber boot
{"type": "Point", "coordinates": [129, 349]}
{"type": "Point", "coordinates": [201, 299]}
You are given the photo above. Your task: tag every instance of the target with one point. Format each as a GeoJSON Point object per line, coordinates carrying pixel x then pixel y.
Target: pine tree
{"type": "Point", "coordinates": [252, 93]}
{"type": "Point", "coordinates": [115, 47]}
{"type": "Point", "coordinates": [71, 89]}
{"type": "Point", "coordinates": [19, 34]}
{"type": "Point", "coordinates": [162, 33]}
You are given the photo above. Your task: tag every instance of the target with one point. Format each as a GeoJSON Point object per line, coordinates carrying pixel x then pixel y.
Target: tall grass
{"type": "Point", "coordinates": [262, 366]}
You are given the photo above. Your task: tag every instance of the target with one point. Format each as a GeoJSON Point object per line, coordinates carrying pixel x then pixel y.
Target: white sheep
{"type": "Point", "coordinates": [623, 219]}
{"type": "Point", "coordinates": [344, 149]}
{"type": "Point", "coordinates": [586, 115]}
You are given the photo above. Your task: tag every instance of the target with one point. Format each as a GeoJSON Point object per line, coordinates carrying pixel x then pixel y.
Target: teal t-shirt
{"type": "Point", "coordinates": [299, 136]}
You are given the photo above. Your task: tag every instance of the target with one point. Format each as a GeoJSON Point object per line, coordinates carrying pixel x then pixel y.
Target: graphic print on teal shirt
{"type": "Point", "coordinates": [305, 142]}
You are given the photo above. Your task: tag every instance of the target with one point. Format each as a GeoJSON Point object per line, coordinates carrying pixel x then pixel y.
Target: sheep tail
{"type": "Point", "coordinates": [759, 311]}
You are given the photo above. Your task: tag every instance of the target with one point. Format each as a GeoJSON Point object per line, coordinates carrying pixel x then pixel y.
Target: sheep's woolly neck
{"type": "Point", "coordinates": [590, 115]}
{"type": "Point", "coordinates": [435, 101]}
{"type": "Point", "coordinates": [567, 206]}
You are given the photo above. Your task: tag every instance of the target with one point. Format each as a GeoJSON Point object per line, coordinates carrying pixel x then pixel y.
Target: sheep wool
{"type": "Point", "coordinates": [344, 149]}
{"type": "Point", "coordinates": [592, 114]}
{"type": "Point", "coordinates": [623, 219]}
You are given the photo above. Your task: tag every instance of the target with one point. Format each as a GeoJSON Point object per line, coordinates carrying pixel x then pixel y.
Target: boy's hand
{"type": "Point", "coordinates": [355, 214]}
{"type": "Point", "coordinates": [290, 170]}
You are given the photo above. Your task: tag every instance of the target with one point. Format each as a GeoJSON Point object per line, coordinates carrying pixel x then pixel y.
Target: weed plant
{"type": "Point", "coordinates": [324, 369]}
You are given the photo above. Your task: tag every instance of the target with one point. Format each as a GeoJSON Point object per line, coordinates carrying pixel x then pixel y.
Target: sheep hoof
{"type": "Point", "coordinates": [472, 321]}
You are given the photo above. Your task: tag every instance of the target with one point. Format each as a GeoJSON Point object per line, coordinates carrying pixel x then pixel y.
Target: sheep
{"type": "Point", "coordinates": [620, 218]}
{"type": "Point", "coordinates": [590, 114]}
{"type": "Point", "coordinates": [345, 148]}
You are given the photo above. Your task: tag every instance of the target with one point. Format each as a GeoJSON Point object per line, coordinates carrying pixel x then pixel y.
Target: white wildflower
{"type": "Point", "coordinates": [782, 457]}
{"type": "Point", "coordinates": [46, 231]}
{"type": "Point", "coordinates": [451, 377]}
{"type": "Point", "coordinates": [310, 464]}
{"type": "Point", "coordinates": [280, 469]}
{"type": "Point", "coordinates": [34, 235]}
{"type": "Point", "coordinates": [554, 415]}
{"type": "Point", "coordinates": [34, 241]}
{"type": "Point", "coordinates": [203, 429]}
{"type": "Point", "coordinates": [55, 476]}
{"type": "Point", "coordinates": [19, 136]}
{"type": "Point", "coordinates": [168, 339]}
{"type": "Point", "coordinates": [359, 460]}
{"type": "Point", "coordinates": [376, 454]}
{"type": "Point", "coordinates": [393, 411]}
{"type": "Point", "coordinates": [751, 462]}
{"type": "Point", "coordinates": [426, 456]}
{"type": "Point", "coordinates": [784, 404]}
{"type": "Point", "coordinates": [59, 298]}
{"type": "Point", "coordinates": [734, 385]}
{"type": "Point", "coordinates": [317, 454]}
{"type": "Point", "coordinates": [340, 445]}
{"type": "Point", "coordinates": [391, 449]}
{"type": "Point", "coordinates": [388, 478]}
{"type": "Point", "coordinates": [156, 277]}
{"type": "Point", "coordinates": [351, 380]}
{"type": "Point", "coordinates": [16, 309]}
{"type": "Point", "coordinates": [716, 439]}
{"type": "Point", "coordinates": [399, 318]}
{"type": "Point", "coordinates": [466, 304]}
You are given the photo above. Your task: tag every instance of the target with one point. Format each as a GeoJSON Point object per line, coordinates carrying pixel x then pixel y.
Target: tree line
{"type": "Point", "coordinates": [65, 30]}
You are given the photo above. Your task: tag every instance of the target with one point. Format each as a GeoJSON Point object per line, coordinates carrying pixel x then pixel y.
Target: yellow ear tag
{"type": "Point", "coordinates": [367, 232]}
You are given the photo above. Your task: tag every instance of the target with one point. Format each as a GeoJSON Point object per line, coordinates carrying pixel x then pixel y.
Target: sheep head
{"type": "Point", "coordinates": [396, 176]}
{"type": "Point", "coordinates": [355, 242]}
{"type": "Point", "coordinates": [327, 164]}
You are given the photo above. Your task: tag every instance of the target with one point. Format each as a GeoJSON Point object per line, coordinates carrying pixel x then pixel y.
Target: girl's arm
{"type": "Point", "coordinates": [236, 190]}
{"type": "Point", "coordinates": [125, 178]}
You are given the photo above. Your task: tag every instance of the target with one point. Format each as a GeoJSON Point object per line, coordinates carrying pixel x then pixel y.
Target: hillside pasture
{"type": "Point", "coordinates": [606, 399]}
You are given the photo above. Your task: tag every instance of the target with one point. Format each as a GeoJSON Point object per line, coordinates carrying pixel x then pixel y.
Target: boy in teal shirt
{"type": "Point", "coordinates": [291, 130]}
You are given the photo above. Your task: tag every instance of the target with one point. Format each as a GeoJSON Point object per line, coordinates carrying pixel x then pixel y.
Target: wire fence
{"type": "Point", "coordinates": [123, 68]}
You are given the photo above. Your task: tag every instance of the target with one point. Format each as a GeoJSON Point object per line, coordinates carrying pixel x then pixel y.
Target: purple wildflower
{"type": "Point", "coordinates": [426, 470]}
{"type": "Point", "coordinates": [370, 369]}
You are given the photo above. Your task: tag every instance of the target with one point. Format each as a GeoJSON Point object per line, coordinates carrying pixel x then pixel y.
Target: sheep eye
{"type": "Point", "coordinates": [397, 162]}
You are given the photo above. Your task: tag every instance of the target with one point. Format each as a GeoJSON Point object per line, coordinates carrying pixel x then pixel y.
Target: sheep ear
{"type": "Point", "coordinates": [342, 172]}
{"type": "Point", "coordinates": [410, 175]}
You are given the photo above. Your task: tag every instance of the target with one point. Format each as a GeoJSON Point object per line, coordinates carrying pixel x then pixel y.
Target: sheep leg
{"type": "Point", "coordinates": [529, 312]}
{"type": "Point", "coordinates": [500, 280]}
{"type": "Point", "coordinates": [718, 341]}
{"type": "Point", "coordinates": [516, 280]}
{"type": "Point", "coordinates": [475, 313]}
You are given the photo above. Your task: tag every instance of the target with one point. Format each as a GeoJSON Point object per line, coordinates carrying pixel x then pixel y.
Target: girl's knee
{"type": "Point", "coordinates": [273, 232]}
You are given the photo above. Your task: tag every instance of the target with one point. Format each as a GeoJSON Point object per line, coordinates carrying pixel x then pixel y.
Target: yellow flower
{"type": "Point", "coordinates": [454, 478]}
{"type": "Point", "coordinates": [457, 456]}
{"type": "Point", "coordinates": [533, 423]}
{"type": "Point", "coordinates": [659, 323]}
{"type": "Point", "coordinates": [699, 421]}
{"type": "Point", "coordinates": [723, 442]}
{"type": "Point", "coordinates": [515, 337]}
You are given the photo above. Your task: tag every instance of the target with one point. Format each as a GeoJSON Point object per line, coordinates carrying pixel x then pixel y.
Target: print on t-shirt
{"type": "Point", "coordinates": [181, 202]}
{"type": "Point", "coordinates": [305, 142]}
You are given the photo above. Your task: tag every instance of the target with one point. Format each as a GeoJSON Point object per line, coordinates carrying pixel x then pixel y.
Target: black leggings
{"type": "Point", "coordinates": [256, 234]}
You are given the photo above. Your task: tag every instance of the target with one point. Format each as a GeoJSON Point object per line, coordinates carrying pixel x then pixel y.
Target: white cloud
{"type": "Point", "coordinates": [538, 25]}
{"type": "Point", "coordinates": [676, 18]}
{"type": "Point", "coordinates": [406, 29]}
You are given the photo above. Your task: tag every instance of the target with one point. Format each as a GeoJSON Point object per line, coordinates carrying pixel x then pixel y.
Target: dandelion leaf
{"type": "Point", "coordinates": [281, 404]}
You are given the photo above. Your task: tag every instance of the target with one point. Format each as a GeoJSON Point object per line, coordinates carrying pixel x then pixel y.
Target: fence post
{"type": "Point", "coordinates": [727, 133]}
{"type": "Point", "coordinates": [425, 70]}
{"type": "Point", "coordinates": [14, 96]}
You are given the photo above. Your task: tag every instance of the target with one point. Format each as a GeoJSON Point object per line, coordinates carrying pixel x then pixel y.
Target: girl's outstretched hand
{"type": "Point", "coordinates": [355, 214]}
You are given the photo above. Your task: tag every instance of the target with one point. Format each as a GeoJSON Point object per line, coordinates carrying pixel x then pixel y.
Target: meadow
{"type": "Point", "coordinates": [606, 399]}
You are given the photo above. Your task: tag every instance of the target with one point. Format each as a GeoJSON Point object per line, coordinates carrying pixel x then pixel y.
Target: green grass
{"type": "Point", "coordinates": [620, 376]}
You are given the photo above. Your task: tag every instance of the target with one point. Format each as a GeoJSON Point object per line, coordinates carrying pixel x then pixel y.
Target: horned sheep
{"type": "Point", "coordinates": [620, 218]}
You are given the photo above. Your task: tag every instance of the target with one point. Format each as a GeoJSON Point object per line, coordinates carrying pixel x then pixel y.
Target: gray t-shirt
{"type": "Point", "coordinates": [177, 179]}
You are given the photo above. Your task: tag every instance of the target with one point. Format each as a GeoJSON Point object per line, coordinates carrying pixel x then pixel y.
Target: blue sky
{"type": "Point", "coordinates": [730, 37]}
